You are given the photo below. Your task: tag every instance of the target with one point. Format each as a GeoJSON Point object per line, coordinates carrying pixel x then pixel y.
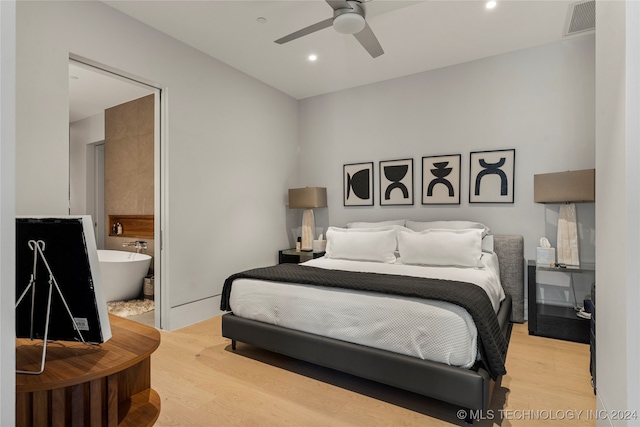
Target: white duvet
{"type": "Point", "coordinates": [426, 329]}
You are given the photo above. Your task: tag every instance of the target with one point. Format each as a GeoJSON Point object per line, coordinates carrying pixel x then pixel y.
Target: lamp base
{"type": "Point", "coordinates": [308, 225]}
{"type": "Point", "coordinates": [568, 235]}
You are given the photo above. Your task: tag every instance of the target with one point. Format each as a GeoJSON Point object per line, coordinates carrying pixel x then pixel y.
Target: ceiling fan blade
{"type": "Point", "coordinates": [339, 4]}
{"type": "Point", "coordinates": [308, 30]}
{"type": "Point", "coordinates": [369, 41]}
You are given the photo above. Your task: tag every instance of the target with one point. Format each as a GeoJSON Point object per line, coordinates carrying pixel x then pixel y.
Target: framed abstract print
{"type": "Point", "coordinates": [441, 180]}
{"type": "Point", "coordinates": [396, 182]}
{"type": "Point", "coordinates": [491, 176]}
{"type": "Point", "coordinates": [358, 184]}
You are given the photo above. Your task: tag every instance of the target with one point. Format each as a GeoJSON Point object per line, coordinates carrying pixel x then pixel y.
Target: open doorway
{"type": "Point", "coordinates": [114, 176]}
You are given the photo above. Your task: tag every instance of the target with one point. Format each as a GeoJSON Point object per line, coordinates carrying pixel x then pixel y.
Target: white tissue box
{"type": "Point", "coordinates": [546, 257]}
{"type": "Point", "coordinates": [319, 245]}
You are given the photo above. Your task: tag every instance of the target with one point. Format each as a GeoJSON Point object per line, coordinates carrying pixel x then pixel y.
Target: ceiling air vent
{"type": "Point", "coordinates": [580, 18]}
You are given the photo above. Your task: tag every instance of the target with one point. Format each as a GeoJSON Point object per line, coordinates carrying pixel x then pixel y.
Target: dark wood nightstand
{"type": "Point", "coordinates": [296, 257]}
{"type": "Point", "coordinates": [554, 321]}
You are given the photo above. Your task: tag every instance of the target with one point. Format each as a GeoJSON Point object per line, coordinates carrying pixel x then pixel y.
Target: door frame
{"type": "Point", "coordinates": [161, 294]}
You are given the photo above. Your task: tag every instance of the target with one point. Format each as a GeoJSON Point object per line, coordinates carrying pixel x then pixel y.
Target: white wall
{"type": "Point", "coordinates": [7, 212]}
{"type": "Point", "coordinates": [225, 132]}
{"type": "Point", "coordinates": [81, 133]}
{"type": "Point", "coordinates": [618, 208]}
{"type": "Point", "coordinates": [539, 101]}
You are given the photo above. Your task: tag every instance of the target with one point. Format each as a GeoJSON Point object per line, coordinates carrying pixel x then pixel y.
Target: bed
{"type": "Point", "coordinates": [463, 376]}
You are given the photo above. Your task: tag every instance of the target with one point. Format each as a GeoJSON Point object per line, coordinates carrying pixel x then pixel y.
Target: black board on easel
{"type": "Point", "coordinates": [69, 249]}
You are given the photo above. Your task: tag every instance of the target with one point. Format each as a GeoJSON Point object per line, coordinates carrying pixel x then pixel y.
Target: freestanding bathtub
{"type": "Point", "coordinates": [123, 273]}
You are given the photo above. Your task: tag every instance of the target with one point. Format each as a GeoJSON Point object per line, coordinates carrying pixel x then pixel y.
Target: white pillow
{"type": "Point", "coordinates": [446, 225]}
{"type": "Point", "coordinates": [459, 248]}
{"type": "Point", "coordinates": [487, 239]}
{"type": "Point", "coordinates": [396, 228]}
{"type": "Point", "coordinates": [361, 244]}
{"type": "Point", "coordinates": [375, 224]}
{"type": "Point", "coordinates": [487, 243]}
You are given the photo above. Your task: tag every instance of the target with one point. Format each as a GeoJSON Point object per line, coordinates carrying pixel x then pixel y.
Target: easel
{"type": "Point", "coordinates": [38, 249]}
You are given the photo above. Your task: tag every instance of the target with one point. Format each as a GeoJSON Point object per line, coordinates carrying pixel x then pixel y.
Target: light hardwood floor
{"type": "Point", "coordinates": [202, 382]}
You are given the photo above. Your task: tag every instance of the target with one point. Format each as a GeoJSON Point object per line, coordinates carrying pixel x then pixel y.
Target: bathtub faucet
{"type": "Point", "coordinates": [139, 244]}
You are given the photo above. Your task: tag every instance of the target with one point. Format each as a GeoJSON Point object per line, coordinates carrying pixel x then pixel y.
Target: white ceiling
{"type": "Point", "coordinates": [415, 35]}
{"type": "Point", "coordinates": [92, 91]}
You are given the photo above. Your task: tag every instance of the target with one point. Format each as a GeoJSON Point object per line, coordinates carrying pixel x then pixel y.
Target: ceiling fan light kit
{"type": "Point", "coordinates": [349, 23]}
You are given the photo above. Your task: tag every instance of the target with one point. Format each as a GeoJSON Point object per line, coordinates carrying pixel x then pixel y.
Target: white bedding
{"type": "Point", "coordinates": [427, 329]}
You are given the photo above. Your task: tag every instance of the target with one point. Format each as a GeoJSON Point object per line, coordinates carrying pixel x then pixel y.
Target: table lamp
{"type": "Point", "coordinates": [566, 188]}
{"type": "Point", "coordinates": [307, 198]}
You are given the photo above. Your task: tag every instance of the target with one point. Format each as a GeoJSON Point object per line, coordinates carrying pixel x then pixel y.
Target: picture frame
{"type": "Point", "coordinates": [396, 182]}
{"type": "Point", "coordinates": [357, 184]}
{"type": "Point", "coordinates": [441, 179]}
{"type": "Point", "coordinates": [491, 176]}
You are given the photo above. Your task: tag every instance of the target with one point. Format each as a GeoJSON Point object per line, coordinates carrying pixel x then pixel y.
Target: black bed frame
{"type": "Point", "coordinates": [468, 388]}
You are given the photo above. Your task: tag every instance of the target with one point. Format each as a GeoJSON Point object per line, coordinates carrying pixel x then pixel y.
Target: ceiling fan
{"type": "Point", "coordinates": [348, 18]}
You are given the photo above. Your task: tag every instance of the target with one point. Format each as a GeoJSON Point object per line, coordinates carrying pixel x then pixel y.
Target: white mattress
{"type": "Point", "coordinates": [426, 329]}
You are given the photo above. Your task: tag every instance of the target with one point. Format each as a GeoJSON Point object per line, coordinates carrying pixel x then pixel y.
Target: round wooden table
{"type": "Point", "coordinates": [89, 385]}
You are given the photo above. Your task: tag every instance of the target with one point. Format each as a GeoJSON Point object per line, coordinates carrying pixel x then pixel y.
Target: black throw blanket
{"type": "Point", "coordinates": [491, 343]}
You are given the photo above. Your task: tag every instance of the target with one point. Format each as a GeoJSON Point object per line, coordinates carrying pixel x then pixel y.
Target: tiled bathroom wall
{"type": "Point", "coordinates": [129, 165]}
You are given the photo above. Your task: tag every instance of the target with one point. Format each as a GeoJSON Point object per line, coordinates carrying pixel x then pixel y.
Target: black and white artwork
{"type": "Point", "coordinates": [441, 180]}
{"type": "Point", "coordinates": [491, 175]}
{"type": "Point", "coordinates": [358, 184]}
{"type": "Point", "coordinates": [396, 182]}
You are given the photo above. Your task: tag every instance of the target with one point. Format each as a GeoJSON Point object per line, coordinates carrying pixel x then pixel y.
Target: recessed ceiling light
{"type": "Point", "coordinates": [262, 20]}
{"type": "Point", "coordinates": [313, 57]}
{"type": "Point", "coordinates": [490, 4]}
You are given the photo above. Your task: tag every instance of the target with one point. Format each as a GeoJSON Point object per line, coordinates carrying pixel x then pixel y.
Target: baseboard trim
{"type": "Point", "coordinates": [197, 311]}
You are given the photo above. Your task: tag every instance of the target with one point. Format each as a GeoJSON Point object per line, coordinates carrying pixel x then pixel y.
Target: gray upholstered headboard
{"type": "Point", "coordinates": [510, 251]}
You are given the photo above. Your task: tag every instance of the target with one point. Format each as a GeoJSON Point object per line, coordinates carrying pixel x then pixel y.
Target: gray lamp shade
{"type": "Point", "coordinates": [307, 198]}
{"type": "Point", "coordinates": [565, 187]}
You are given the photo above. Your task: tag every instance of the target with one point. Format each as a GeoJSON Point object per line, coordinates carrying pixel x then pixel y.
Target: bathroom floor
{"type": "Point", "coordinates": [147, 318]}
